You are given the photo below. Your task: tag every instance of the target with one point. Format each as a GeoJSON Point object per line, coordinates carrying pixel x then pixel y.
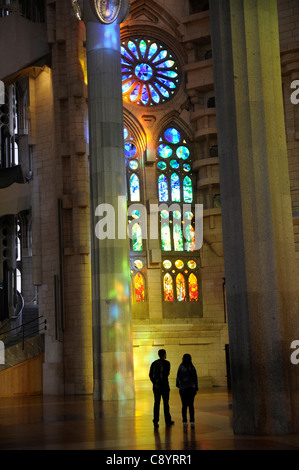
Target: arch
{"type": "Point", "coordinates": [139, 287]}
{"type": "Point", "coordinates": [180, 287]}
{"type": "Point", "coordinates": [193, 288]}
{"type": "Point", "coordinates": [168, 288]}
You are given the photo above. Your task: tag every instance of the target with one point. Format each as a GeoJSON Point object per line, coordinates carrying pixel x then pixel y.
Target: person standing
{"type": "Point", "coordinates": [187, 384]}
{"type": "Point", "coordinates": [159, 372]}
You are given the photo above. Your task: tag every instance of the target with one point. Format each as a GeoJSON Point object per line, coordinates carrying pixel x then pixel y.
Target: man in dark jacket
{"type": "Point", "coordinates": [159, 372]}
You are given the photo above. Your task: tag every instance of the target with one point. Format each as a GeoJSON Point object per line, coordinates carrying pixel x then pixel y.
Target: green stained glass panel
{"type": "Point", "coordinates": [187, 189]}
{"type": "Point", "coordinates": [175, 188]}
{"type": "Point", "coordinates": [178, 238]}
{"type": "Point", "coordinates": [180, 288]}
{"type": "Point", "coordinates": [165, 237]}
{"type": "Point", "coordinates": [137, 237]}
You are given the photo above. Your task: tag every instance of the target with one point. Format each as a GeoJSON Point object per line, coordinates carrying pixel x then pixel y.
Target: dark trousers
{"type": "Point", "coordinates": [164, 393]}
{"type": "Point", "coordinates": [187, 397]}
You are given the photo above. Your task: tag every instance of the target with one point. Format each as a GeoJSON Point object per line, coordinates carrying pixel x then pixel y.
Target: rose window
{"type": "Point", "coordinates": [150, 73]}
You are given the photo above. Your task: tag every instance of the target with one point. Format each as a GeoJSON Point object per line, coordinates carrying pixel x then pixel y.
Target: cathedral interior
{"type": "Point", "coordinates": [119, 145]}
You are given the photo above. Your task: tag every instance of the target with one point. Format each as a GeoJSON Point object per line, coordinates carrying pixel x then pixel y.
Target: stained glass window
{"type": "Point", "coordinates": [173, 162]}
{"type": "Point", "coordinates": [134, 188]}
{"type": "Point", "coordinates": [137, 237]}
{"type": "Point", "coordinates": [139, 288]}
{"type": "Point", "coordinates": [180, 288]}
{"type": "Point", "coordinates": [165, 237]}
{"type": "Point", "coordinates": [163, 188]}
{"type": "Point", "coordinates": [193, 288]}
{"type": "Point", "coordinates": [168, 288]}
{"type": "Point", "coordinates": [133, 167]}
{"type": "Point", "coordinates": [150, 73]}
{"type": "Point", "coordinates": [180, 279]}
{"type": "Point", "coordinates": [178, 238]}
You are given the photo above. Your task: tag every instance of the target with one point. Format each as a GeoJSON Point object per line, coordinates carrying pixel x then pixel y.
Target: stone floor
{"type": "Point", "coordinates": [79, 423]}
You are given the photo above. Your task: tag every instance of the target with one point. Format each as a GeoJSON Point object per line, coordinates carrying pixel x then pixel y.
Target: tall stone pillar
{"type": "Point", "coordinates": [259, 252]}
{"type": "Point", "coordinates": [112, 337]}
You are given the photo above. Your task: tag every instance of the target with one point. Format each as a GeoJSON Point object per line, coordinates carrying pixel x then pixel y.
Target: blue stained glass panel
{"type": "Point", "coordinates": [127, 86]}
{"type": "Point", "coordinates": [144, 96]}
{"type": "Point", "coordinates": [133, 48]}
{"type": "Point", "coordinates": [187, 189]}
{"type": "Point", "coordinates": [175, 188]}
{"type": "Point", "coordinates": [160, 56]}
{"type": "Point", "coordinates": [162, 166]}
{"type": "Point", "coordinates": [135, 92]}
{"type": "Point", "coordinates": [186, 167]}
{"type": "Point", "coordinates": [163, 188]}
{"type": "Point", "coordinates": [134, 188]}
{"type": "Point", "coordinates": [167, 64]}
{"type": "Point", "coordinates": [142, 47]}
{"type": "Point", "coordinates": [172, 135]}
{"type": "Point", "coordinates": [130, 149]}
{"type": "Point", "coordinates": [152, 50]}
{"type": "Point", "coordinates": [164, 151]}
{"type": "Point", "coordinates": [182, 152]}
{"type": "Point", "coordinates": [155, 95]}
{"type": "Point", "coordinates": [174, 164]}
{"type": "Point", "coordinates": [143, 71]}
{"type": "Point", "coordinates": [133, 164]}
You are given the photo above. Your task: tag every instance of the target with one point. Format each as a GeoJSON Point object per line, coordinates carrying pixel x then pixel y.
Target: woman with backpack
{"type": "Point", "coordinates": [187, 384]}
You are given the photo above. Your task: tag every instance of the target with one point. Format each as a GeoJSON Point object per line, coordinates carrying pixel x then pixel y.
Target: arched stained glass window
{"type": "Point", "coordinates": [165, 237]}
{"type": "Point", "coordinates": [180, 288]}
{"type": "Point", "coordinates": [134, 188]}
{"type": "Point", "coordinates": [150, 73]}
{"type": "Point", "coordinates": [187, 190]}
{"type": "Point", "coordinates": [193, 288]}
{"type": "Point", "coordinates": [168, 288]}
{"type": "Point", "coordinates": [132, 156]}
{"type": "Point", "coordinates": [190, 238]}
{"type": "Point", "coordinates": [181, 276]}
{"type": "Point", "coordinates": [163, 188]}
{"type": "Point", "coordinates": [178, 238]}
{"type": "Point", "coordinates": [139, 288]}
{"type": "Point", "coordinates": [175, 188]}
{"type": "Point", "coordinates": [174, 166]}
{"type": "Point", "coordinates": [137, 237]}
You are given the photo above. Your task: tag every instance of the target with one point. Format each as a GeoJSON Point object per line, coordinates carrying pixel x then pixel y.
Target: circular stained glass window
{"type": "Point", "coordinates": [133, 164]}
{"type": "Point", "coordinates": [191, 264]}
{"type": "Point", "coordinates": [167, 264]}
{"type": "Point", "coordinates": [172, 135]}
{"type": "Point", "coordinates": [186, 167]}
{"type": "Point", "coordinates": [150, 74]}
{"type": "Point", "coordinates": [174, 164]}
{"type": "Point", "coordinates": [162, 166]}
{"type": "Point", "coordinates": [179, 264]}
{"type": "Point", "coordinates": [138, 264]}
{"type": "Point", "coordinates": [182, 152]}
{"type": "Point", "coordinates": [164, 151]}
{"type": "Point", "coordinates": [130, 149]}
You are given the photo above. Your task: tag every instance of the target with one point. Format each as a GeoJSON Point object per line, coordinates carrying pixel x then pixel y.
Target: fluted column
{"type": "Point", "coordinates": [112, 338]}
{"type": "Point", "coordinates": [259, 252]}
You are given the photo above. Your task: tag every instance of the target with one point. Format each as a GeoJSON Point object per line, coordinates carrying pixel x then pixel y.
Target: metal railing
{"type": "Point", "coordinates": [22, 332]}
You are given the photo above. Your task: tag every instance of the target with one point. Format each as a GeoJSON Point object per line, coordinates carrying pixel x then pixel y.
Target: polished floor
{"type": "Point", "coordinates": [79, 423]}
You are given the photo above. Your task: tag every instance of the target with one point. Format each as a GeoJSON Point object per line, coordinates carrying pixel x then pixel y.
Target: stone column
{"type": "Point", "coordinates": [259, 252]}
{"type": "Point", "coordinates": [112, 337]}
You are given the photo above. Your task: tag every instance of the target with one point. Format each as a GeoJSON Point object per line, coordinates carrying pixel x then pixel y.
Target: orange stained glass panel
{"type": "Point", "coordinates": [139, 288]}
{"type": "Point", "coordinates": [193, 288]}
